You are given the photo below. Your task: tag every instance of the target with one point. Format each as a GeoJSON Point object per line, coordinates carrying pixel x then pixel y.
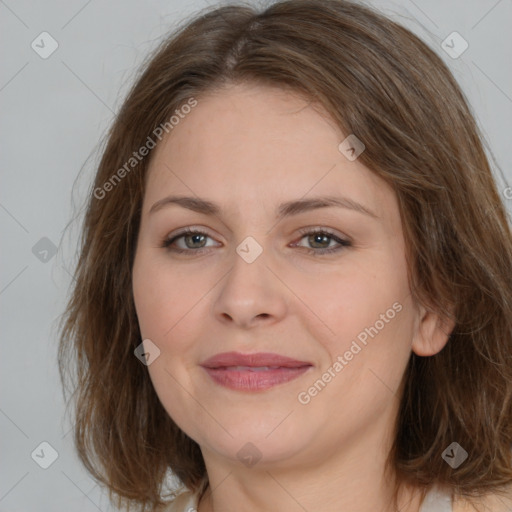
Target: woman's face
{"type": "Point", "coordinates": [257, 279]}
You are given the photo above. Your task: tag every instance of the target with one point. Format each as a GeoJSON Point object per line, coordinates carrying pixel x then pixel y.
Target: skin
{"type": "Point", "coordinates": [249, 148]}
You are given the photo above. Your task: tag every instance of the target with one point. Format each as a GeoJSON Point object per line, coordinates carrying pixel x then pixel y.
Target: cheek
{"type": "Point", "coordinates": [368, 359]}
{"type": "Point", "coordinates": [164, 306]}
{"type": "Point", "coordinates": [170, 313]}
{"type": "Point", "coordinates": [148, 299]}
{"type": "Point", "coordinates": [160, 295]}
{"type": "Point", "coordinates": [348, 302]}
{"type": "Point", "coordinates": [369, 314]}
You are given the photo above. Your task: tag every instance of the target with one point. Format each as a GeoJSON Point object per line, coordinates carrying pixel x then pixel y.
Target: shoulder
{"type": "Point", "coordinates": [494, 502]}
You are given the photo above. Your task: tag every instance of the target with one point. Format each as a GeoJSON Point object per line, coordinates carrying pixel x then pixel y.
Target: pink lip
{"type": "Point", "coordinates": [222, 368]}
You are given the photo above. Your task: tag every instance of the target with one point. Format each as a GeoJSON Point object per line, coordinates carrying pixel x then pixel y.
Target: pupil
{"type": "Point", "coordinates": [318, 238]}
{"type": "Point", "coordinates": [193, 237]}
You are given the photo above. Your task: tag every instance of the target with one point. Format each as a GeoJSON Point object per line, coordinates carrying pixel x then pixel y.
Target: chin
{"type": "Point", "coordinates": [258, 440]}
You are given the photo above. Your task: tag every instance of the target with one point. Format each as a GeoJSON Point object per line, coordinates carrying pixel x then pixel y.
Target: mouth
{"type": "Point", "coordinates": [253, 372]}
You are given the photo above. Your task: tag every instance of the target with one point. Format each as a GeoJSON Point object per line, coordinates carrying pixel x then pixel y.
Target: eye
{"type": "Point", "coordinates": [194, 240]}
{"type": "Point", "coordinates": [320, 236]}
{"type": "Point", "coordinates": [190, 237]}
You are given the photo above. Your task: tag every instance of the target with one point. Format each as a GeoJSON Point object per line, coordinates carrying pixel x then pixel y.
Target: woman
{"type": "Point", "coordinates": [295, 282]}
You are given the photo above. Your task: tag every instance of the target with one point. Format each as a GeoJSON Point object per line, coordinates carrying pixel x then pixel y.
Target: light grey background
{"type": "Point", "coordinates": [54, 112]}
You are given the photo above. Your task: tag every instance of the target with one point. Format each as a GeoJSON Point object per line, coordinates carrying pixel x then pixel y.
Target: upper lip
{"type": "Point", "coordinates": [256, 360]}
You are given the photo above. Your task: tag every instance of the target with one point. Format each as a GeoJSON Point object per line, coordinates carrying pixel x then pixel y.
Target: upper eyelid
{"type": "Point", "coordinates": [188, 230]}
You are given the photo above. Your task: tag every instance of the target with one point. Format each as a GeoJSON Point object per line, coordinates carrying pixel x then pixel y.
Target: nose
{"type": "Point", "coordinates": [251, 294]}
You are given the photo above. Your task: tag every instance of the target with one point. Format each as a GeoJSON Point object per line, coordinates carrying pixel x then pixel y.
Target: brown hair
{"type": "Point", "coordinates": [382, 83]}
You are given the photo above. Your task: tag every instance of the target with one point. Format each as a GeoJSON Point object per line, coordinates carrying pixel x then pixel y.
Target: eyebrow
{"type": "Point", "coordinates": [286, 209]}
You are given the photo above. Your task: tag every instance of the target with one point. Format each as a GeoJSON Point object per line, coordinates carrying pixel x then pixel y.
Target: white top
{"type": "Point", "coordinates": [186, 501]}
{"type": "Point", "coordinates": [435, 501]}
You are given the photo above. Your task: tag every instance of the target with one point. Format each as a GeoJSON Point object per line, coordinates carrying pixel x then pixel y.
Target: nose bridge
{"type": "Point", "coordinates": [249, 275]}
{"type": "Point", "coordinates": [250, 288]}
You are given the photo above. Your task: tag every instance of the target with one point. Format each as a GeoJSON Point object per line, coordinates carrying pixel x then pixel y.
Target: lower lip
{"type": "Point", "coordinates": [246, 380]}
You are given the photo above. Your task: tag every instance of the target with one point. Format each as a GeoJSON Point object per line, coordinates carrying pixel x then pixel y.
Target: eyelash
{"type": "Point", "coordinates": [167, 242]}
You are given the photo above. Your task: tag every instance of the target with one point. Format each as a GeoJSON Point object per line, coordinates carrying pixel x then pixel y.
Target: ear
{"type": "Point", "coordinates": [432, 332]}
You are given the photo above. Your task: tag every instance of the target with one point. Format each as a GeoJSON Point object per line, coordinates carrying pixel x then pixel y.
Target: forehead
{"type": "Point", "coordinates": [258, 145]}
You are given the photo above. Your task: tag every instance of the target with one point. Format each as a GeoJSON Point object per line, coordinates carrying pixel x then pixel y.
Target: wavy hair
{"type": "Point", "coordinates": [376, 80]}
